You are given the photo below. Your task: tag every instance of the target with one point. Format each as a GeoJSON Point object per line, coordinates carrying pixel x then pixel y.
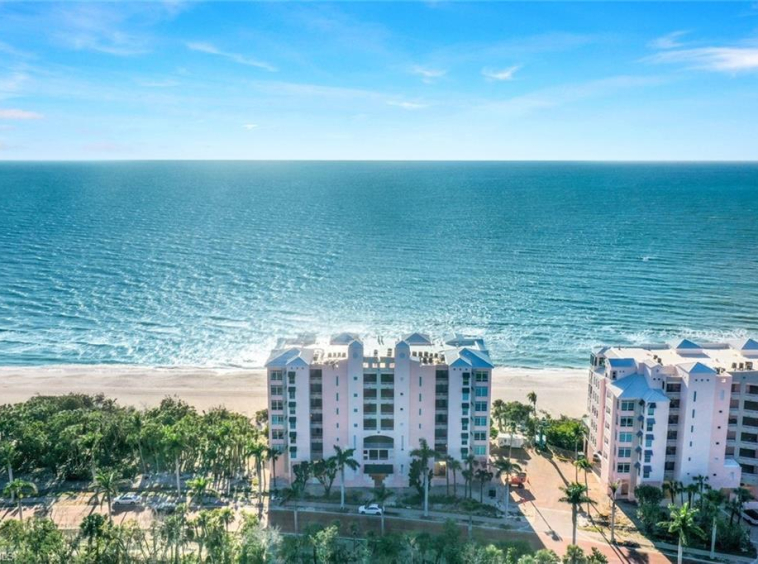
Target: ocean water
{"type": "Point", "coordinates": [206, 263]}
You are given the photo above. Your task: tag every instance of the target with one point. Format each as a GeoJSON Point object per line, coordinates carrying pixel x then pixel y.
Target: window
{"type": "Point", "coordinates": [291, 377]}
{"type": "Point", "coordinates": [624, 453]}
{"type": "Point", "coordinates": [481, 392]}
{"type": "Point", "coordinates": [293, 452]}
{"type": "Point", "coordinates": [626, 421]}
{"type": "Point", "coordinates": [623, 468]}
{"type": "Point", "coordinates": [277, 376]}
{"type": "Point", "coordinates": [277, 390]}
{"type": "Point", "coordinates": [480, 421]}
{"type": "Point", "coordinates": [627, 406]}
{"type": "Point", "coordinates": [625, 437]}
{"type": "Point", "coordinates": [277, 419]}
{"type": "Point", "coordinates": [649, 441]}
{"type": "Point", "coordinates": [646, 473]}
{"type": "Point", "coordinates": [277, 405]}
{"type": "Point", "coordinates": [480, 406]}
{"type": "Point", "coordinates": [649, 426]}
{"type": "Point", "coordinates": [651, 409]}
{"type": "Point", "coordinates": [481, 376]}
{"type": "Point", "coordinates": [479, 450]}
{"type": "Point", "coordinates": [480, 435]}
{"type": "Point", "coordinates": [675, 388]}
{"type": "Point", "coordinates": [648, 456]}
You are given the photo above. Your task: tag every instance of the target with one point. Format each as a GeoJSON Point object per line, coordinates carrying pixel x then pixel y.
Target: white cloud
{"type": "Point", "coordinates": [668, 41]}
{"type": "Point", "coordinates": [15, 113]}
{"type": "Point", "coordinates": [250, 126]}
{"type": "Point", "coordinates": [720, 59]}
{"type": "Point", "coordinates": [407, 105]}
{"type": "Point", "coordinates": [210, 49]}
{"type": "Point", "coordinates": [504, 74]}
{"type": "Point", "coordinates": [428, 75]}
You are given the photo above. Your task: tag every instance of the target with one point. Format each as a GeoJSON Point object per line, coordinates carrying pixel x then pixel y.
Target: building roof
{"type": "Point", "coordinates": [622, 363]}
{"type": "Point", "coordinates": [697, 368]}
{"type": "Point", "coordinates": [344, 338]}
{"type": "Point", "coordinates": [725, 358]}
{"type": "Point", "coordinates": [636, 387]}
{"type": "Point", "coordinates": [468, 357]}
{"type": "Point", "coordinates": [295, 356]}
{"type": "Point", "coordinates": [686, 344]}
{"type": "Point", "coordinates": [417, 339]}
{"type": "Point", "coordinates": [464, 351]}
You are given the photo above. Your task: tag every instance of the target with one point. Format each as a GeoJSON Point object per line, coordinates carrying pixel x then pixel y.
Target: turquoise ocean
{"type": "Point", "coordinates": [206, 263]}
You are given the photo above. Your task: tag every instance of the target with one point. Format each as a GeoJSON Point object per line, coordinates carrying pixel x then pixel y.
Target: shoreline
{"type": "Point", "coordinates": [559, 391]}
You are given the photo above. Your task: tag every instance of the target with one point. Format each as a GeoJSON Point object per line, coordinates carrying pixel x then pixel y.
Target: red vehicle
{"type": "Point", "coordinates": [518, 480]}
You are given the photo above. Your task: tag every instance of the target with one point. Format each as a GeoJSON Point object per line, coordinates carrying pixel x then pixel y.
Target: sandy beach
{"type": "Point", "coordinates": [558, 391]}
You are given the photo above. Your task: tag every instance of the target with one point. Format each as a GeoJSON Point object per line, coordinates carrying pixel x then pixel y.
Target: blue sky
{"type": "Point", "coordinates": [464, 80]}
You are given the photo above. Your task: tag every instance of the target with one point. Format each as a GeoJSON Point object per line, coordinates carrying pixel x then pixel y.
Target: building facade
{"type": "Point", "coordinates": [660, 413]}
{"type": "Point", "coordinates": [379, 398]}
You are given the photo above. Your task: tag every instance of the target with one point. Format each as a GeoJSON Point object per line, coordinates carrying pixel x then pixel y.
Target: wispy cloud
{"type": "Point", "coordinates": [503, 74]}
{"type": "Point", "coordinates": [428, 75]}
{"type": "Point", "coordinates": [719, 59]}
{"type": "Point", "coordinates": [16, 114]}
{"type": "Point", "coordinates": [10, 85]}
{"type": "Point", "coordinates": [166, 83]}
{"type": "Point", "coordinates": [407, 105]}
{"type": "Point", "coordinates": [211, 49]}
{"type": "Point", "coordinates": [555, 97]}
{"type": "Point", "coordinates": [668, 41]}
{"type": "Point", "coordinates": [250, 126]}
{"type": "Point", "coordinates": [99, 28]}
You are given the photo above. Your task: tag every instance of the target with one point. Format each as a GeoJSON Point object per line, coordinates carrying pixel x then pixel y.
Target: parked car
{"type": "Point", "coordinates": [371, 509]}
{"type": "Point", "coordinates": [127, 499]}
{"type": "Point", "coordinates": [165, 507]}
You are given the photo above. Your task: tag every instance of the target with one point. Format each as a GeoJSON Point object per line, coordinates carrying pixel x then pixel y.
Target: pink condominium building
{"type": "Point", "coordinates": [380, 398]}
{"type": "Point", "coordinates": [659, 413]}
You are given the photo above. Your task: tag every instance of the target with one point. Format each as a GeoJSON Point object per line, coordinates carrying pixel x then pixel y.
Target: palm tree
{"type": "Point", "coordinates": [578, 437]}
{"type": "Point", "coordinates": [498, 413]}
{"type": "Point", "coordinates": [512, 431]}
{"type": "Point", "coordinates": [7, 455]}
{"type": "Point", "coordinates": [273, 455]}
{"type": "Point", "coordinates": [691, 490]}
{"type": "Point", "coordinates": [18, 490]}
{"type": "Point", "coordinates": [613, 488]}
{"type": "Point", "coordinates": [454, 466]}
{"type": "Point", "coordinates": [425, 454]}
{"type": "Point", "coordinates": [741, 495]}
{"type": "Point", "coordinates": [483, 475]}
{"type": "Point", "coordinates": [108, 484]}
{"type": "Point", "coordinates": [344, 458]}
{"type": "Point", "coordinates": [681, 522]}
{"type": "Point", "coordinates": [379, 496]}
{"type": "Point", "coordinates": [702, 483]}
{"type": "Point", "coordinates": [670, 488]}
{"type": "Point", "coordinates": [584, 464]}
{"type": "Point", "coordinates": [532, 398]}
{"type": "Point", "coordinates": [198, 489]}
{"type": "Point", "coordinates": [258, 452]}
{"type": "Point", "coordinates": [576, 494]}
{"type": "Point", "coordinates": [226, 517]}
{"type": "Point", "coordinates": [468, 473]}
{"type": "Point", "coordinates": [680, 490]}
{"type": "Point", "coordinates": [505, 468]}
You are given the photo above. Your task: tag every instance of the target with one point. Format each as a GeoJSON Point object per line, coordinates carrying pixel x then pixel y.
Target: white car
{"type": "Point", "coordinates": [372, 509]}
{"type": "Point", "coordinates": [127, 499]}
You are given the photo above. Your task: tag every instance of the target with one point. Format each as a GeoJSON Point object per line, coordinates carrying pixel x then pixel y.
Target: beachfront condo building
{"type": "Point", "coordinates": [380, 398]}
{"type": "Point", "coordinates": [671, 413]}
